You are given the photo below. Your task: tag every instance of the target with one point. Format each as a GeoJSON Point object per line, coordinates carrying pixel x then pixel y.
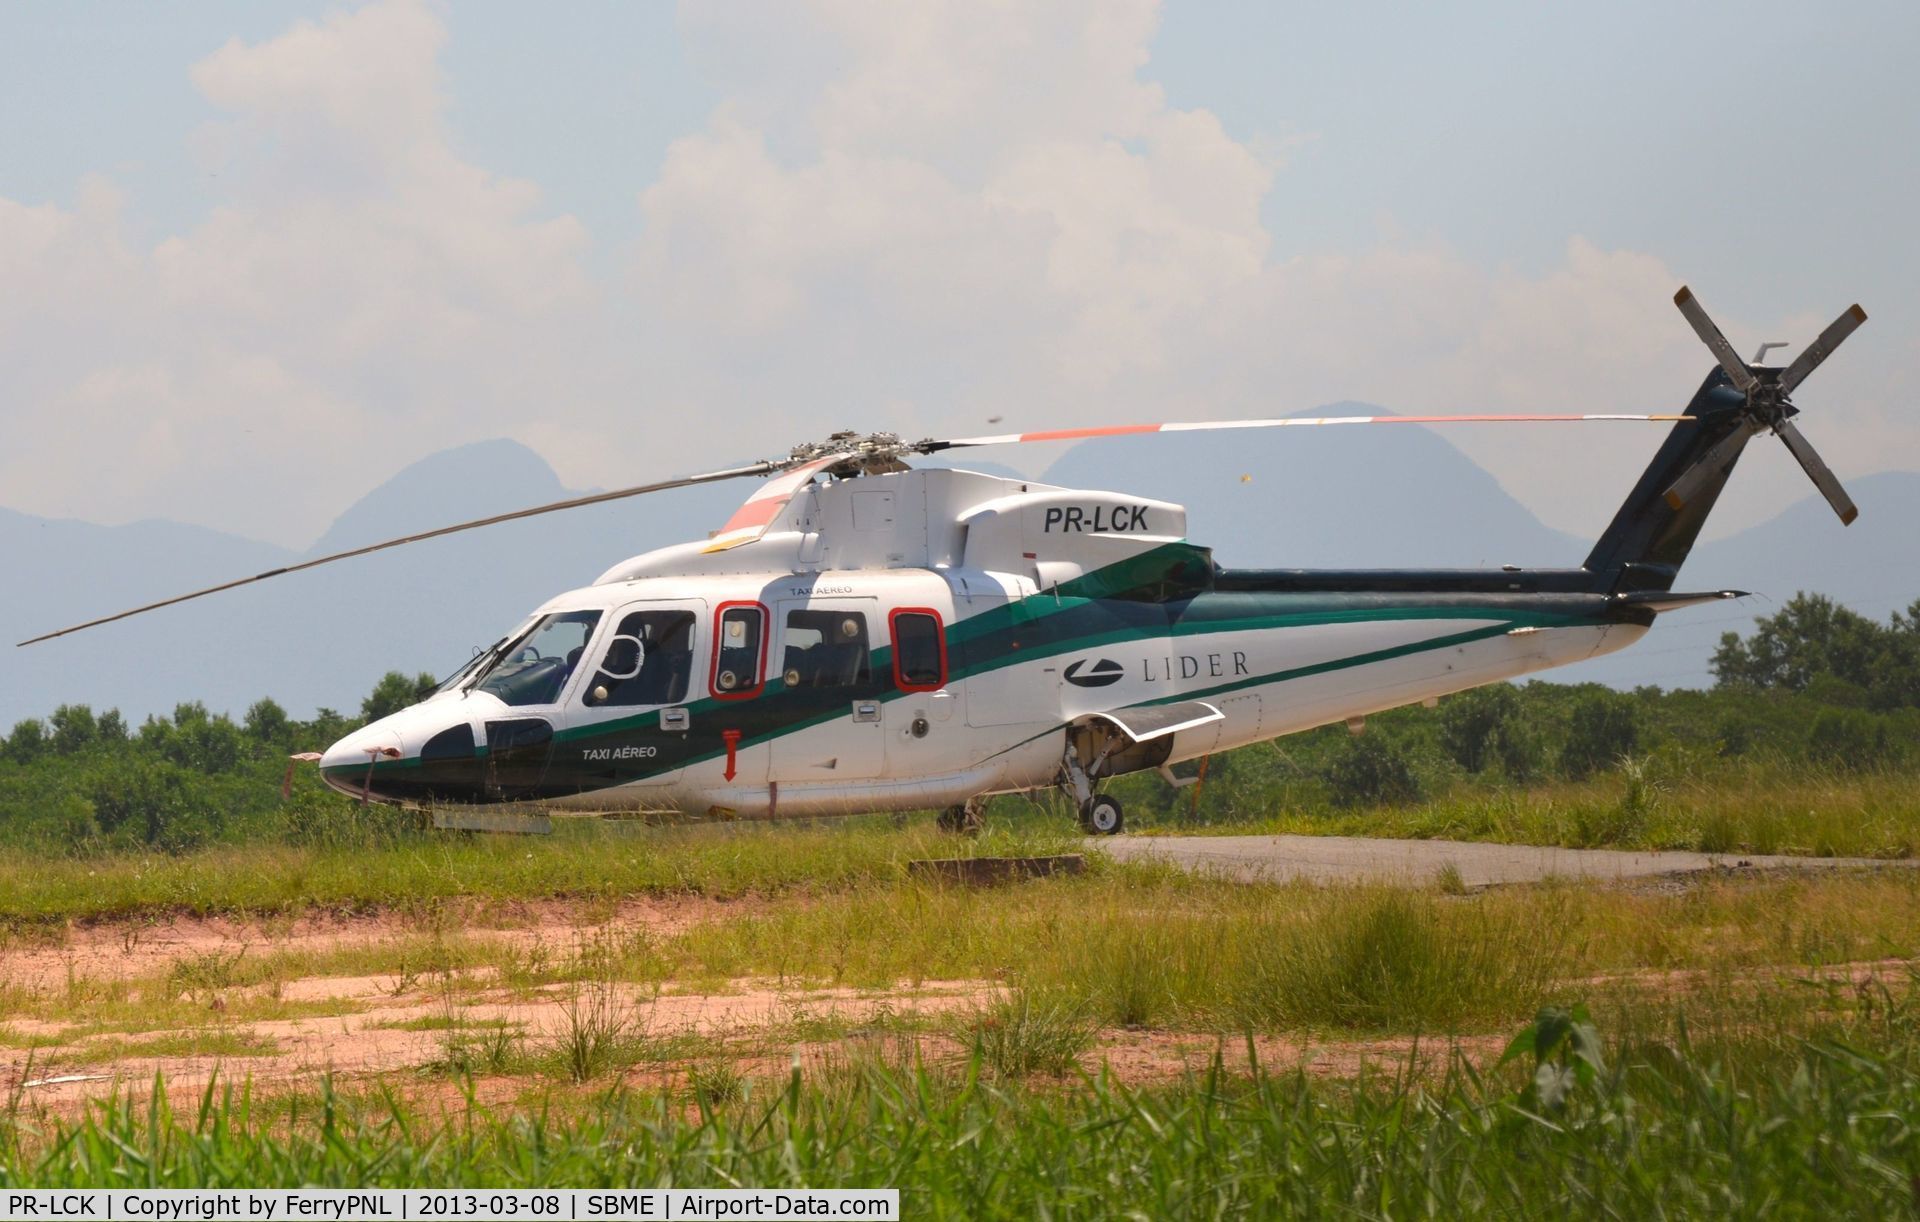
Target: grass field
{"type": "Point", "coordinates": [1661, 1123]}
{"type": "Point", "coordinates": [784, 1004]}
{"type": "Point", "coordinates": [1650, 805]}
{"type": "Point", "coordinates": [1656, 802]}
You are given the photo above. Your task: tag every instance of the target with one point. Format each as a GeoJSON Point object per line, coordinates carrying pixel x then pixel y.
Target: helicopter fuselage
{"type": "Point", "coordinates": [935, 635]}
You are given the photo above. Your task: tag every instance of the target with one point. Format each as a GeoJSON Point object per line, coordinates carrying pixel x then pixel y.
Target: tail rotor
{"type": "Point", "coordinates": [1767, 409]}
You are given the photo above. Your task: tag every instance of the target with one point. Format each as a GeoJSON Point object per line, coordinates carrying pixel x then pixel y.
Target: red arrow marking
{"type": "Point", "coordinates": [732, 739]}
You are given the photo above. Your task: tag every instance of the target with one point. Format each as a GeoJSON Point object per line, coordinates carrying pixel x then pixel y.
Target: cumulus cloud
{"type": "Point", "coordinates": [906, 216]}
{"type": "Point", "coordinates": [951, 210]}
{"type": "Point", "coordinates": [360, 296]}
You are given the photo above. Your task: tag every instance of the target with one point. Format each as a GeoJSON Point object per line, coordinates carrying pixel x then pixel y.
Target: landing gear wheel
{"type": "Point", "coordinates": [1101, 816]}
{"type": "Point", "coordinates": [964, 820]}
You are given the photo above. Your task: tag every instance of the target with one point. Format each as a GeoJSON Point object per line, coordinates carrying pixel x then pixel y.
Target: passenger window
{"type": "Point", "coordinates": [648, 661]}
{"type": "Point", "coordinates": [737, 647]}
{"type": "Point", "coordinates": [826, 649]}
{"type": "Point", "coordinates": [919, 651]}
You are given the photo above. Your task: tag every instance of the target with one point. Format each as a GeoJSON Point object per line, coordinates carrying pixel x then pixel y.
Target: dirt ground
{"type": "Point", "coordinates": [87, 1011]}
{"type": "Point", "coordinates": [91, 1010]}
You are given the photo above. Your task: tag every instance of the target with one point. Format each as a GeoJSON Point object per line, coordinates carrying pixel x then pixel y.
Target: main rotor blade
{"type": "Point", "coordinates": [752, 519]}
{"type": "Point", "coordinates": [1818, 471]}
{"type": "Point", "coordinates": [1820, 349]}
{"type": "Point", "coordinates": [1712, 463]}
{"type": "Point", "coordinates": [1194, 426]}
{"type": "Point", "coordinates": [1710, 335]}
{"type": "Point", "coordinates": [760, 468]}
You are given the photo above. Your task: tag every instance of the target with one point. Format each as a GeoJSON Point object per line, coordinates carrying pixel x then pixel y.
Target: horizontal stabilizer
{"type": "Point", "coordinates": [1146, 722]}
{"type": "Point", "coordinates": [1671, 600]}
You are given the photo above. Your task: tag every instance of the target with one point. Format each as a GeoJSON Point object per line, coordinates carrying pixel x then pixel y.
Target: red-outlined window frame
{"type": "Point", "coordinates": [939, 636]}
{"type": "Point", "coordinates": [719, 642]}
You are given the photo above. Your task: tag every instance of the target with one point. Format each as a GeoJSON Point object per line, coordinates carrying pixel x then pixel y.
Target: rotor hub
{"type": "Point", "coordinates": [865, 453]}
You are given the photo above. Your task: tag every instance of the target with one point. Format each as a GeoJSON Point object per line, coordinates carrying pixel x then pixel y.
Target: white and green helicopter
{"type": "Point", "coordinates": [864, 636]}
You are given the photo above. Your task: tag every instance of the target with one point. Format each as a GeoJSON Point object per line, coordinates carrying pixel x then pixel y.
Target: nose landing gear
{"type": "Point", "coordinates": [964, 819]}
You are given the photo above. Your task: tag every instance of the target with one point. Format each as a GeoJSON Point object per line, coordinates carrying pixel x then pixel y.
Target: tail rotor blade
{"type": "Point", "coordinates": [1712, 463]}
{"type": "Point", "coordinates": [1710, 335]}
{"type": "Point", "coordinates": [1818, 471]}
{"type": "Point", "coordinates": [1819, 350]}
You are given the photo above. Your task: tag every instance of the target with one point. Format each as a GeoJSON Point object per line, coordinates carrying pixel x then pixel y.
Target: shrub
{"type": "Point", "coordinates": [1372, 772]}
{"type": "Point", "coordinates": [1603, 729]}
{"type": "Point", "coordinates": [158, 804]}
{"type": "Point", "coordinates": [1849, 738]}
{"type": "Point", "coordinates": [1021, 1035]}
{"type": "Point", "coordinates": [1471, 723]}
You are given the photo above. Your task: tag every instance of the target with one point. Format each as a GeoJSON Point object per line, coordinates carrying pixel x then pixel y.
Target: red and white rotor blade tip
{"type": "Point", "coordinates": [1195, 426]}
{"type": "Point", "coordinates": [769, 501]}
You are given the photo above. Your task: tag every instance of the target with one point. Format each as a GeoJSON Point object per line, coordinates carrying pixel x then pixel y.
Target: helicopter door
{"type": "Point", "coordinates": [620, 722]}
{"type": "Point", "coordinates": [518, 749]}
{"type": "Point", "coordinates": [1011, 678]}
{"type": "Point", "coordinates": [924, 737]}
{"type": "Point", "coordinates": [829, 692]}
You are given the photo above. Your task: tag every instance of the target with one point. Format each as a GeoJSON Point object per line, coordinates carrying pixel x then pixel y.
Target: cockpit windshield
{"type": "Point", "coordinates": [533, 668]}
{"type": "Point", "coordinates": [481, 657]}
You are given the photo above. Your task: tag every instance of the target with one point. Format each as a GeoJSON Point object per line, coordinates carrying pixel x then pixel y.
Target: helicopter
{"type": "Point", "coordinates": [864, 635]}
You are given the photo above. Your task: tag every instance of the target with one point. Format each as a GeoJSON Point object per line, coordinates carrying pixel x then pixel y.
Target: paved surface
{"type": "Point", "coordinates": [1354, 859]}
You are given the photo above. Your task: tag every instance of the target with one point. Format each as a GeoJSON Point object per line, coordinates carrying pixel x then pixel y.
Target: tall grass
{"type": "Point", "coordinates": [1127, 945]}
{"type": "Point", "coordinates": [1665, 800]}
{"type": "Point", "coordinates": [583, 860]}
{"type": "Point", "coordinates": [1671, 800]}
{"type": "Point", "coordinates": [1815, 1127]}
{"type": "Point", "coordinates": [1021, 1034]}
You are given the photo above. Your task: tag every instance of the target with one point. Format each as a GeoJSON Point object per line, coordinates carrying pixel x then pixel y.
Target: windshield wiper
{"type": "Point", "coordinates": [483, 662]}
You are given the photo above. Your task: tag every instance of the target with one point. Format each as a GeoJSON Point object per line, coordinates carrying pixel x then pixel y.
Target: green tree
{"type": "Point", "coordinates": [395, 692]}
{"type": "Point", "coordinates": [267, 723]}
{"type": "Point", "coordinates": [112, 727]}
{"type": "Point", "coordinates": [1814, 644]}
{"type": "Point", "coordinates": [195, 739]}
{"type": "Point", "coordinates": [28, 742]}
{"type": "Point", "coordinates": [74, 729]}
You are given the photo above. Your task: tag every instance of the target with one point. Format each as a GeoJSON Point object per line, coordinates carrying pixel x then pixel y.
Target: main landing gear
{"type": "Point", "coordinates": [1101, 816]}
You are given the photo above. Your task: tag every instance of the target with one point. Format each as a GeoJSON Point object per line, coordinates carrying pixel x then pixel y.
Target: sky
{"type": "Point", "coordinates": [258, 257]}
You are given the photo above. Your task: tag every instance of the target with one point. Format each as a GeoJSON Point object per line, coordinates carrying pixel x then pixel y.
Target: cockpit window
{"type": "Point", "coordinates": [534, 668]}
{"type": "Point", "coordinates": [649, 660]}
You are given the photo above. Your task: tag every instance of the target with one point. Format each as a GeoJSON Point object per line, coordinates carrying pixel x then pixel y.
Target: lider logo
{"type": "Point", "coordinates": [1100, 674]}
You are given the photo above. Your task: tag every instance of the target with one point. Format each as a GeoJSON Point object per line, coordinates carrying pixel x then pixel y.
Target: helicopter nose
{"type": "Point", "coordinates": [351, 765]}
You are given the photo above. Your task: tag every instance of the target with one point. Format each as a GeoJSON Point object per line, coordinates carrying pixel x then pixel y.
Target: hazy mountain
{"type": "Point", "coordinates": [1315, 497]}
{"type": "Point", "coordinates": [323, 637]}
